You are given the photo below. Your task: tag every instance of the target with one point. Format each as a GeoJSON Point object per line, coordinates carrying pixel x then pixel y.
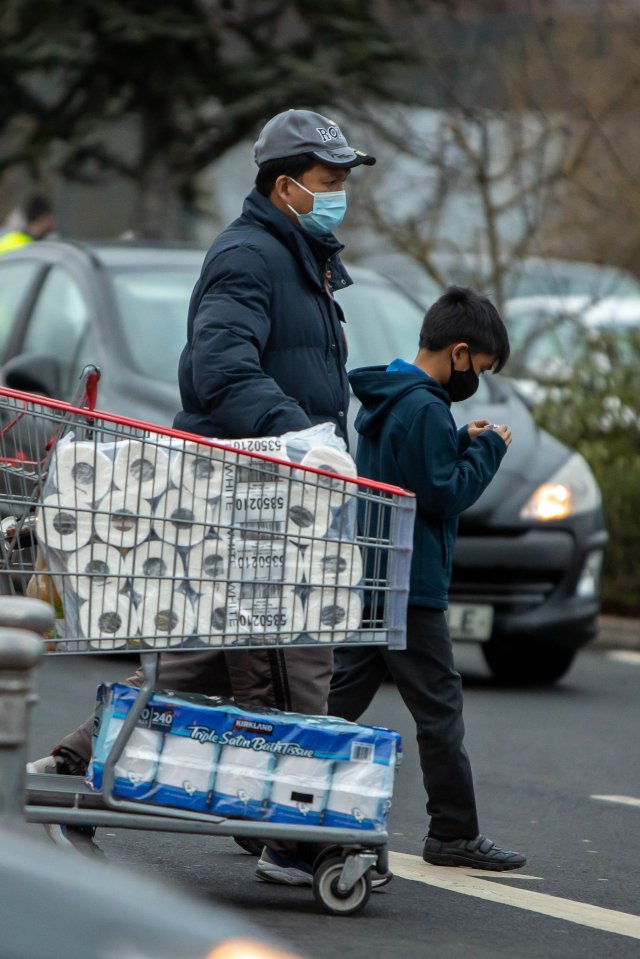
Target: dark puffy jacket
{"type": "Point", "coordinates": [265, 347]}
{"type": "Point", "coordinates": [409, 438]}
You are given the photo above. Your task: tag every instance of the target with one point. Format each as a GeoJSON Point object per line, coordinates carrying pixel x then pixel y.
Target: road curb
{"type": "Point", "coordinates": [617, 632]}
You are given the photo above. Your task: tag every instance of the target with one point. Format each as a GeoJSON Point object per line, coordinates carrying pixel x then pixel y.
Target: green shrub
{"type": "Point", "coordinates": [597, 411]}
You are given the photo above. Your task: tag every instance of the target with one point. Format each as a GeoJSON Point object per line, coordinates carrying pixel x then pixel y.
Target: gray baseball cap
{"type": "Point", "coordinates": [295, 132]}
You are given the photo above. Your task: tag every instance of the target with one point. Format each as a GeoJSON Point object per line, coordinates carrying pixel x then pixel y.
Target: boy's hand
{"type": "Point", "coordinates": [476, 427]}
{"type": "Point", "coordinates": [504, 432]}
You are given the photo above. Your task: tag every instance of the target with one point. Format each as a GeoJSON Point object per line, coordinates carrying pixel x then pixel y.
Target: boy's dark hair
{"type": "Point", "coordinates": [294, 167]}
{"type": "Point", "coordinates": [36, 206]}
{"type": "Point", "coordinates": [461, 315]}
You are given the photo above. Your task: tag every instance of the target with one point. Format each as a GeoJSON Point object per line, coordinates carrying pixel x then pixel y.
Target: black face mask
{"type": "Point", "coordinates": [462, 383]}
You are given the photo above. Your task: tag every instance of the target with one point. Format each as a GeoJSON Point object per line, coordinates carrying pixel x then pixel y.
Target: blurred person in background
{"type": "Point", "coordinates": [39, 222]}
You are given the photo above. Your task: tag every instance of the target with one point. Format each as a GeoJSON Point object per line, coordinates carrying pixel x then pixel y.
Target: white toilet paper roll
{"type": "Point", "coordinates": [138, 763]}
{"type": "Point", "coordinates": [263, 609]}
{"type": "Point", "coordinates": [81, 472]}
{"type": "Point", "coordinates": [199, 469]}
{"type": "Point", "coordinates": [182, 518]}
{"type": "Point", "coordinates": [211, 614]}
{"type": "Point", "coordinates": [360, 789]}
{"type": "Point", "coordinates": [96, 567]}
{"type": "Point", "coordinates": [123, 519]}
{"type": "Point", "coordinates": [208, 562]}
{"type": "Point", "coordinates": [331, 563]}
{"type": "Point", "coordinates": [152, 562]}
{"type": "Point", "coordinates": [333, 461]}
{"type": "Point", "coordinates": [60, 527]}
{"type": "Point", "coordinates": [165, 615]}
{"type": "Point", "coordinates": [333, 614]}
{"type": "Point", "coordinates": [187, 764]}
{"type": "Point", "coordinates": [243, 774]}
{"type": "Point", "coordinates": [141, 468]}
{"type": "Point", "coordinates": [308, 511]}
{"type": "Point", "coordinates": [301, 784]}
{"type": "Point", "coordinates": [108, 619]}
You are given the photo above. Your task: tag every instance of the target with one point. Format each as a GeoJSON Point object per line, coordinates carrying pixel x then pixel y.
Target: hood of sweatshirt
{"type": "Point", "coordinates": [380, 387]}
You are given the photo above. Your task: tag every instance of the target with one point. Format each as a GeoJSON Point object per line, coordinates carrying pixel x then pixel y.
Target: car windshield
{"type": "Point", "coordinates": [382, 322]}
{"type": "Point", "coordinates": [546, 345]}
{"type": "Point", "coordinates": [570, 279]}
{"type": "Point", "coordinates": [153, 304]}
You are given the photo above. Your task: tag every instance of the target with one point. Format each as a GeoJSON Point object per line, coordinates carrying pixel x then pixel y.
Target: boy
{"type": "Point", "coordinates": [408, 437]}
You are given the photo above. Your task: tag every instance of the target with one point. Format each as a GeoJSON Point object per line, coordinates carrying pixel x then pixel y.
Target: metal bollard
{"type": "Point", "coordinates": [19, 612]}
{"type": "Point", "coordinates": [20, 651]}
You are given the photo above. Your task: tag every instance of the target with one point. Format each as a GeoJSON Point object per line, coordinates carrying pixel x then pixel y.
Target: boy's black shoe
{"type": "Point", "coordinates": [478, 853]}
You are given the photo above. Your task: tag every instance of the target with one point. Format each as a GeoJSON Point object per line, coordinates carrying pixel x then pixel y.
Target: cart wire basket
{"type": "Point", "coordinates": [147, 538]}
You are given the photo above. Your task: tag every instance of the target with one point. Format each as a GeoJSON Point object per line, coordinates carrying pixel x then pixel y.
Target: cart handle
{"type": "Point", "coordinates": [117, 420]}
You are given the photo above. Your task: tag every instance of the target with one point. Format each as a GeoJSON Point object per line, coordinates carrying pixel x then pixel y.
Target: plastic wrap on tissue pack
{"type": "Point", "coordinates": [259, 764]}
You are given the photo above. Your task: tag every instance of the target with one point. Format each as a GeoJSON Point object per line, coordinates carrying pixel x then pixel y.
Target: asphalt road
{"type": "Point", "coordinates": [539, 758]}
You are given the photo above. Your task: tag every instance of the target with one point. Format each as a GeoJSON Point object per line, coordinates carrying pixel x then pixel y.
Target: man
{"type": "Point", "coordinates": [265, 354]}
{"type": "Point", "coordinates": [408, 438]}
{"type": "Point", "coordinates": [39, 220]}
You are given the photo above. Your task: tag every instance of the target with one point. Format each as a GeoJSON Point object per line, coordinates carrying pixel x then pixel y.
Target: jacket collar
{"type": "Point", "coordinates": [313, 254]}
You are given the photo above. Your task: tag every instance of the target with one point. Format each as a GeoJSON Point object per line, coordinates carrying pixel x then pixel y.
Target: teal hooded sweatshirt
{"type": "Point", "coordinates": [408, 437]}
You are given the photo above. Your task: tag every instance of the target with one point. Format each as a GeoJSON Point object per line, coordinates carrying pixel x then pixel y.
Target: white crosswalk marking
{"type": "Point", "coordinates": [483, 885]}
{"type": "Point", "coordinates": [621, 800]}
{"type": "Point", "coordinates": [628, 656]}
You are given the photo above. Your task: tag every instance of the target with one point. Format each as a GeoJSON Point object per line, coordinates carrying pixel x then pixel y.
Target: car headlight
{"type": "Point", "coordinates": [571, 490]}
{"type": "Point", "coordinates": [248, 949]}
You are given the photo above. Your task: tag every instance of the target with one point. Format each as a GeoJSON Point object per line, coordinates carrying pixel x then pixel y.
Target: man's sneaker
{"type": "Point", "coordinates": [47, 764]}
{"type": "Point", "coordinates": [478, 853]}
{"type": "Point", "coordinates": [78, 838]}
{"type": "Point", "coordinates": [274, 868]}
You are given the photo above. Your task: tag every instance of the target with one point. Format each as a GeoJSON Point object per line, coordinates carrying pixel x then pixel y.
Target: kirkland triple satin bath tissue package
{"type": "Point", "coordinates": [209, 755]}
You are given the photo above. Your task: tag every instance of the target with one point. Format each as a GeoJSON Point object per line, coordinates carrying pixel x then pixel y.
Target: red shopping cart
{"type": "Point", "coordinates": [147, 539]}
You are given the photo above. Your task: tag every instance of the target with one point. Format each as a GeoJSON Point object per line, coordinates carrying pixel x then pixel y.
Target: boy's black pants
{"type": "Point", "coordinates": [431, 688]}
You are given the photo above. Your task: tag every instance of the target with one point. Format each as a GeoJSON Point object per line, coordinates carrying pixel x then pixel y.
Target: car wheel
{"type": "Point", "coordinates": [527, 663]}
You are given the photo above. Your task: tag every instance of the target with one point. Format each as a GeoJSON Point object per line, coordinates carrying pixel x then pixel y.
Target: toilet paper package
{"type": "Point", "coordinates": [201, 545]}
{"type": "Point", "coordinates": [185, 773]}
{"type": "Point", "coordinates": [207, 753]}
{"type": "Point", "coordinates": [300, 788]}
{"type": "Point", "coordinates": [243, 780]}
{"type": "Point", "coordinates": [136, 768]}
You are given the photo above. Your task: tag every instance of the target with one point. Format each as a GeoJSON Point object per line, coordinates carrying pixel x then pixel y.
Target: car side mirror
{"type": "Point", "coordinates": [33, 373]}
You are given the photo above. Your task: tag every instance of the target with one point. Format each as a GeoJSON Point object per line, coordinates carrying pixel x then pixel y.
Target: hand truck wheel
{"type": "Point", "coordinates": [326, 877]}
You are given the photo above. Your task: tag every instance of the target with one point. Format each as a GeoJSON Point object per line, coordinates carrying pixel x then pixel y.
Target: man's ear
{"type": "Point", "coordinates": [460, 356]}
{"type": "Point", "coordinates": [282, 187]}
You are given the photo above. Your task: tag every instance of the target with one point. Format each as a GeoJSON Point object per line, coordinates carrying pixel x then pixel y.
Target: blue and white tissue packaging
{"type": "Point", "coordinates": [207, 754]}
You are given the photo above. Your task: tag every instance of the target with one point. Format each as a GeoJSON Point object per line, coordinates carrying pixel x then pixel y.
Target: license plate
{"type": "Point", "coordinates": [471, 621]}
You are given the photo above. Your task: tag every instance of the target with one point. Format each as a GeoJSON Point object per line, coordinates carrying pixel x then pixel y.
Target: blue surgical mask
{"type": "Point", "coordinates": [327, 213]}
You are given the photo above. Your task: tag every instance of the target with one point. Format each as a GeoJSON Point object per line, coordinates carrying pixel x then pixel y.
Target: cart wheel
{"type": "Point", "coordinates": [325, 888]}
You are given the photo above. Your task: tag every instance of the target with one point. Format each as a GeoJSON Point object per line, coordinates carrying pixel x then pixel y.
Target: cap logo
{"type": "Point", "coordinates": [327, 134]}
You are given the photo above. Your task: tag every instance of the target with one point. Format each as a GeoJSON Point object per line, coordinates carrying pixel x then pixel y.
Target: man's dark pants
{"type": "Point", "coordinates": [432, 690]}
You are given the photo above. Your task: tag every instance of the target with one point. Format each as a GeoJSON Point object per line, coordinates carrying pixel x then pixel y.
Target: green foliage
{"type": "Point", "coordinates": [194, 77]}
{"type": "Point", "coordinates": [597, 411]}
